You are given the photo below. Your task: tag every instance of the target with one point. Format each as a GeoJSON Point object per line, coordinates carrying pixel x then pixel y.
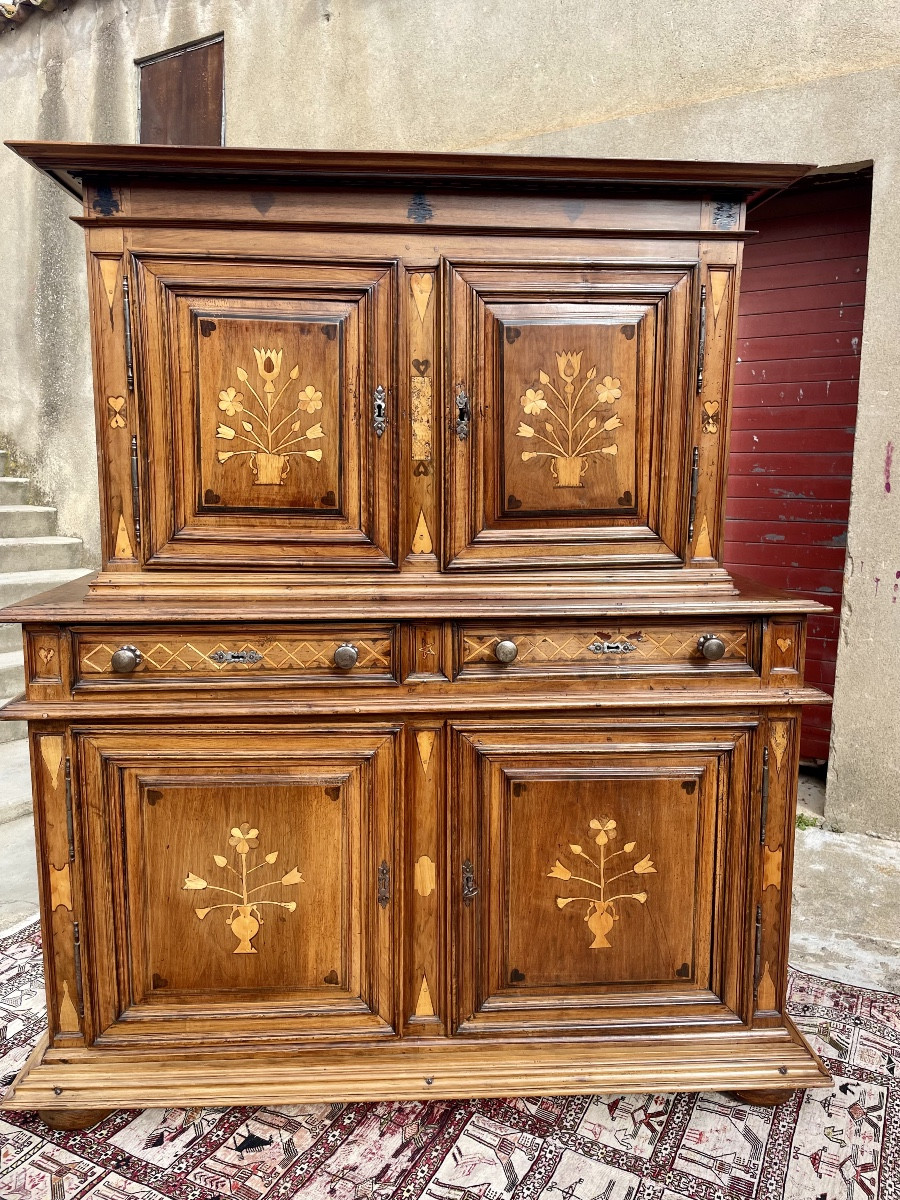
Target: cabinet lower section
{"type": "Point", "coordinates": [435, 906]}
{"type": "Point", "coordinates": [87, 1080]}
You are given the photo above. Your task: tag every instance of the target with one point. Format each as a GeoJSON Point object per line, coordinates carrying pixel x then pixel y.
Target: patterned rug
{"type": "Point", "coordinates": [842, 1144]}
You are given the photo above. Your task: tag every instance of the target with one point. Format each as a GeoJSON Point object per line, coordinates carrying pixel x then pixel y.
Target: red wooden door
{"type": "Point", "coordinates": [794, 415]}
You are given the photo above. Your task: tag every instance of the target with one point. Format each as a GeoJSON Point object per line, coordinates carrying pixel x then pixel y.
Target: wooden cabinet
{"type": "Point", "coordinates": [412, 741]}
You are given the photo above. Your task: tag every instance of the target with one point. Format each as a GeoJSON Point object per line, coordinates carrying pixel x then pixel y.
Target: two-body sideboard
{"type": "Point", "coordinates": [412, 740]}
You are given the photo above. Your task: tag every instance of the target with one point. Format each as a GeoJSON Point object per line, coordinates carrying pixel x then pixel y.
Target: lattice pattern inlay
{"type": "Point", "coordinates": [672, 644]}
{"type": "Point", "coordinates": [283, 654]}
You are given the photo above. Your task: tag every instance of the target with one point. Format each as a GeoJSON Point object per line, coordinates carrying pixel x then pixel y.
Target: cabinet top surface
{"type": "Point", "coordinates": [68, 163]}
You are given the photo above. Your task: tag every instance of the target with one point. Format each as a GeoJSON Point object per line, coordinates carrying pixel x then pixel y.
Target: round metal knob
{"type": "Point", "coordinates": [711, 646]}
{"type": "Point", "coordinates": [506, 651]}
{"type": "Point", "coordinates": [346, 656]}
{"type": "Point", "coordinates": [126, 659]}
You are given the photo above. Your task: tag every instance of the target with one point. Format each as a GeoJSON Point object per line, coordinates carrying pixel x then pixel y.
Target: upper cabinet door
{"type": "Point", "coordinates": [568, 393]}
{"type": "Point", "coordinates": [266, 392]}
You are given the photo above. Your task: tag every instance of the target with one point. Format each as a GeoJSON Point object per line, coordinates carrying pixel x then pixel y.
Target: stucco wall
{"type": "Point", "coordinates": [800, 81]}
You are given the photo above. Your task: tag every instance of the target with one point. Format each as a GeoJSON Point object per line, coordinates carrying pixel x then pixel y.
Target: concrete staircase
{"type": "Point", "coordinates": [33, 559]}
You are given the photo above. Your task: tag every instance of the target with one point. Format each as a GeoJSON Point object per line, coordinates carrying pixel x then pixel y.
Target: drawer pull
{"type": "Point", "coordinates": [346, 656]}
{"type": "Point", "coordinates": [506, 651]}
{"type": "Point", "coordinates": [126, 659]}
{"type": "Point", "coordinates": [612, 647]}
{"type": "Point", "coordinates": [469, 886]}
{"type": "Point", "coordinates": [711, 646]}
{"type": "Point", "coordinates": [235, 656]}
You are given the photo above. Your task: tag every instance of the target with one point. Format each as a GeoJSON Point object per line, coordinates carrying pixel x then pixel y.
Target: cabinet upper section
{"type": "Point", "coordinates": [408, 363]}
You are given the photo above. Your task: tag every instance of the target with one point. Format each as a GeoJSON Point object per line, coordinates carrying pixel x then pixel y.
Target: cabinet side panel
{"type": "Point", "coordinates": [781, 752]}
{"type": "Point", "coordinates": [115, 402]}
{"type": "Point", "coordinates": [59, 887]}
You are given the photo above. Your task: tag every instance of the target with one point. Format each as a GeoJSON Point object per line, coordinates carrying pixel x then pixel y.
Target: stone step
{"type": "Point", "coordinates": [10, 638]}
{"type": "Point", "coordinates": [39, 553]}
{"type": "Point", "coordinates": [15, 781]}
{"type": "Point", "coordinates": [11, 731]}
{"type": "Point", "coordinates": [20, 585]}
{"type": "Point", "coordinates": [12, 672]}
{"type": "Point", "coordinates": [4, 461]}
{"type": "Point", "coordinates": [13, 490]}
{"type": "Point", "coordinates": [26, 520]}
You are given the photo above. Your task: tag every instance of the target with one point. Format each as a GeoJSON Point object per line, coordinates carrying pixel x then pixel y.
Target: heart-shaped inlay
{"type": "Point", "coordinates": [711, 406]}
{"type": "Point", "coordinates": [421, 286]}
{"type": "Point", "coordinates": [784, 644]}
{"type": "Point", "coordinates": [513, 334]}
{"type": "Point", "coordinates": [513, 502]}
{"type": "Point", "coordinates": [421, 365]}
{"type": "Point", "coordinates": [45, 654]}
{"type": "Point", "coordinates": [211, 497]}
{"type": "Point", "coordinates": [422, 467]}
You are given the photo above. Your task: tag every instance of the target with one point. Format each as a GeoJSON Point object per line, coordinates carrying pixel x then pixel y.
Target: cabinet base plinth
{"type": "Point", "coordinates": [764, 1097]}
{"type": "Point", "coordinates": [73, 1118]}
{"type": "Point", "coordinates": [758, 1063]}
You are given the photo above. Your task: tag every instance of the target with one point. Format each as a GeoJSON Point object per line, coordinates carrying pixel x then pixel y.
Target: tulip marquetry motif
{"type": "Point", "coordinates": [566, 422]}
{"type": "Point", "coordinates": [272, 428]}
{"type": "Point", "coordinates": [244, 917]}
{"type": "Point", "coordinates": [608, 868]}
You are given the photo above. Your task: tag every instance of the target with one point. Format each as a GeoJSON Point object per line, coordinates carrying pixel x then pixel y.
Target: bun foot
{"type": "Point", "coordinates": [73, 1118]}
{"type": "Point", "coordinates": [764, 1097]}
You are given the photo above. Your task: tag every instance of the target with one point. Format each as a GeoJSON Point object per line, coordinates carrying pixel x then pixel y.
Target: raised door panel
{"type": "Point", "coordinates": [263, 438]}
{"type": "Point", "coordinates": [599, 884]}
{"type": "Point", "coordinates": [241, 884]}
{"type": "Point", "coordinates": [568, 397]}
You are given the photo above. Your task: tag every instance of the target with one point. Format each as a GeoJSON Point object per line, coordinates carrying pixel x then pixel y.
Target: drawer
{"type": "Point", "coordinates": [605, 648]}
{"type": "Point", "coordinates": [313, 654]}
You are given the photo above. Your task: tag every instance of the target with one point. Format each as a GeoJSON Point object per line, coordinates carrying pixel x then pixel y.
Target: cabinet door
{"type": "Point", "coordinates": [263, 439]}
{"type": "Point", "coordinates": [240, 883]}
{"type": "Point", "coordinates": [599, 876]}
{"type": "Point", "coordinates": [568, 397]}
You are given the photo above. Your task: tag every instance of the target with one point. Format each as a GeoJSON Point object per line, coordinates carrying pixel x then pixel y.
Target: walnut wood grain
{"type": "Point", "coordinates": [403, 408]}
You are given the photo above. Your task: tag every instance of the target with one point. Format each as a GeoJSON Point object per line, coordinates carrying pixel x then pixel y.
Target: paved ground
{"type": "Point", "coordinates": [846, 893]}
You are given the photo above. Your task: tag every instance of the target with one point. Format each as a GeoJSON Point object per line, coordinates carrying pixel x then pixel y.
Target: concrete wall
{"type": "Point", "coordinates": [808, 81]}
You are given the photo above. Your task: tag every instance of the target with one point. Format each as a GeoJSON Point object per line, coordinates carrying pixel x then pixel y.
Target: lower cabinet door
{"type": "Point", "coordinates": [601, 875]}
{"type": "Point", "coordinates": [239, 884]}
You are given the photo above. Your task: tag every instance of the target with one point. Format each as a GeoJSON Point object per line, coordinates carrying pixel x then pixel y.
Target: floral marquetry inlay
{"type": "Point", "coordinates": [244, 917]}
{"type": "Point", "coordinates": [568, 423]}
{"type": "Point", "coordinates": [603, 871]}
{"type": "Point", "coordinates": [270, 428]}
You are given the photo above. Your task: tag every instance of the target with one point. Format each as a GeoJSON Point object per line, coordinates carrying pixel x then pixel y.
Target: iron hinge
{"type": "Point", "coordinates": [135, 490]}
{"type": "Point", "coordinates": [129, 350]}
{"type": "Point", "coordinates": [70, 829]}
{"type": "Point", "coordinates": [384, 885]}
{"type": "Point", "coordinates": [79, 979]}
{"type": "Point", "coordinates": [758, 951]}
{"type": "Point", "coordinates": [695, 487]}
{"type": "Point", "coordinates": [701, 340]}
{"type": "Point", "coordinates": [764, 802]}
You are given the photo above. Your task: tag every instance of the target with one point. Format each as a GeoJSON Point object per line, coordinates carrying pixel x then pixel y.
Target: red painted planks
{"type": "Point", "coordinates": [781, 440]}
{"type": "Point", "coordinates": [794, 414]}
{"type": "Point", "coordinates": [820, 270]}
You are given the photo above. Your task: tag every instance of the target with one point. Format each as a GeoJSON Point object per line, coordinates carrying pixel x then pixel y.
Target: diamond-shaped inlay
{"type": "Point", "coordinates": [659, 644]}
{"type": "Point", "coordinates": [214, 656]}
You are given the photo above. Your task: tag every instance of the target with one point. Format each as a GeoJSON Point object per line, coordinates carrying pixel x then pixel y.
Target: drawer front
{"type": "Point", "coordinates": [297, 653]}
{"type": "Point", "coordinates": [607, 648]}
